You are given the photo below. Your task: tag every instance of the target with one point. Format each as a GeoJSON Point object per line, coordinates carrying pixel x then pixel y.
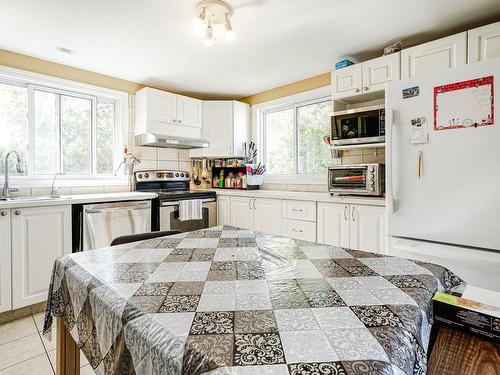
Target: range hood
{"type": "Point", "coordinates": [165, 141]}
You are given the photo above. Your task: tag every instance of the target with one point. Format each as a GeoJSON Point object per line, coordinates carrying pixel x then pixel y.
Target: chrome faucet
{"type": "Point", "coordinates": [19, 169]}
{"type": "Point", "coordinates": [53, 190]}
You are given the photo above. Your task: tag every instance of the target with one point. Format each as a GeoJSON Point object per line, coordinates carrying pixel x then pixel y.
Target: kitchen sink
{"type": "Point", "coordinates": [36, 198]}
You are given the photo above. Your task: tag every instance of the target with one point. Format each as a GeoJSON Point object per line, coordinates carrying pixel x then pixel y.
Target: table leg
{"type": "Point", "coordinates": [67, 352]}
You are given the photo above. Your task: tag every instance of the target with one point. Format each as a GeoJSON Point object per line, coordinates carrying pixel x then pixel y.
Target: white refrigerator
{"type": "Point", "coordinates": [443, 153]}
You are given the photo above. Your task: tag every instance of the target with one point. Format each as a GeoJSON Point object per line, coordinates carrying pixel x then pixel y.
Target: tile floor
{"type": "Point", "coordinates": [23, 350]}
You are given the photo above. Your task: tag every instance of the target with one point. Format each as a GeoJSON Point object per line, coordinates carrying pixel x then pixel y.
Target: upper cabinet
{"type": "Point", "coordinates": [484, 42]}
{"type": "Point", "coordinates": [162, 112]}
{"type": "Point", "coordinates": [369, 76]}
{"type": "Point", "coordinates": [225, 126]}
{"type": "Point", "coordinates": [439, 54]}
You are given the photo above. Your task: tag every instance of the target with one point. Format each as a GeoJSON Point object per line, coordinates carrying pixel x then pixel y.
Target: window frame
{"type": "Point", "coordinates": [294, 102]}
{"type": "Point", "coordinates": [34, 81]}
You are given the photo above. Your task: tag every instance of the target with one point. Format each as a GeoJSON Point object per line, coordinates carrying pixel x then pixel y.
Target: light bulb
{"type": "Point", "coordinates": [229, 34]}
{"type": "Point", "coordinates": [209, 37]}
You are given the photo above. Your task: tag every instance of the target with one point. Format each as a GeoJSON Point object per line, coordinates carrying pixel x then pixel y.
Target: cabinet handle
{"type": "Point", "coordinates": [356, 90]}
{"type": "Point", "coordinates": [254, 204]}
{"type": "Point", "coordinates": [179, 121]}
{"type": "Point", "coordinates": [365, 88]}
{"type": "Point", "coordinates": [295, 210]}
{"type": "Point", "coordinates": [3, 213]}
{"type": "Point", "coordinates": [353, 218]}
{"type": "Point", "coordinates": [17, 212]}
{"type": "Point", "coordinates": [297, 230]}
{"type": "Point", "coordinates": [250, 203]}
{"type": "Point", "coordinates": [345, 213]}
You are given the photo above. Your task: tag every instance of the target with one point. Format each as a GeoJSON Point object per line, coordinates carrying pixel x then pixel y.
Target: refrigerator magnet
{"type": "Point", "coordinates": [411, 92]}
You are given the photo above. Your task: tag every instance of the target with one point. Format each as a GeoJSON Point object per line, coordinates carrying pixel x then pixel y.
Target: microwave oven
{"type": "Point", "coordinates": [356, 179]}
{"type": "Point", "coordinates": [359, 126]}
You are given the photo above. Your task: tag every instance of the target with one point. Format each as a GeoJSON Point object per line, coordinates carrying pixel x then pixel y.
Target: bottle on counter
{"type": "Point", "coordinates": [229, 180]}
{"type": "Point", "coordinates": [215, 182]}
{"type": "Point", "coordinates": [243, 180]}
{"type": "Point", "coordinates": [221, 179]}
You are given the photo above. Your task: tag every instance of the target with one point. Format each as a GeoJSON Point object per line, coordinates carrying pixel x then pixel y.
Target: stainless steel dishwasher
{"type": "Point", "coordinates": [103, 222]}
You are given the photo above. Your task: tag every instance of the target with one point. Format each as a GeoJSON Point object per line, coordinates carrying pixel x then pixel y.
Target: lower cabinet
{"type": "Point", "coordinates": [299, 229]}
{"type": "Point", "coordinates": [352, 226]}
{"type": "Point", "coordinates": [223, 210]}
{"type": "Point", "coordinates": [333, 224]}
{"type": "Point", "coordinates": [5, 265]}
{"type": "Point", "coordinates": [260, 214]}
{"type": "Point", "coordinates": [39, 235]}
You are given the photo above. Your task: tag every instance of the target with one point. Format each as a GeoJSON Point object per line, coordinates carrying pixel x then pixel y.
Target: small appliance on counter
{"type": "Point", "coordinates": [356, 179]}
{"type": "Point", "coordinates": [172, 187]}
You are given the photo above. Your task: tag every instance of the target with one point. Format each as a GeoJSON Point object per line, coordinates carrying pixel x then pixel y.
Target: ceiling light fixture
{"type": "Point", "coordinates": [214, 17]}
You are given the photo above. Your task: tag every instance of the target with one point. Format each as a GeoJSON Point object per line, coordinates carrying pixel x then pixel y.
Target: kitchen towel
{"type": "Point", "coordinates": [190, 210]}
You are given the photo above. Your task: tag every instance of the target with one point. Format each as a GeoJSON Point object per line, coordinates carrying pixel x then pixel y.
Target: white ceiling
{"type": "Point", "coordinates": [278, 41]}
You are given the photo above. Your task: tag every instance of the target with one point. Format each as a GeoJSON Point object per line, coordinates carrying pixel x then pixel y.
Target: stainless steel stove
{"type": "Point", "coordinates": [173, 186]}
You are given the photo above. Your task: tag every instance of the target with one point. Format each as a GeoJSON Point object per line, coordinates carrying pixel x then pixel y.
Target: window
{"type": "Point", "coordinates": [58, 131]}
{"type": "Point", "coordinates": [294, 138]}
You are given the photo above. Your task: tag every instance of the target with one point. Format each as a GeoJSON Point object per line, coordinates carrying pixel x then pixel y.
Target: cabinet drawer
{"type": "Point", "coordinates": [299, 210]}
{"type": "Point", "coordinates": [302, 230]}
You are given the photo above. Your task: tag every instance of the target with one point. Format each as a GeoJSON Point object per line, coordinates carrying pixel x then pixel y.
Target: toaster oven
{"type": "Point", "coordinates": [356, 179]}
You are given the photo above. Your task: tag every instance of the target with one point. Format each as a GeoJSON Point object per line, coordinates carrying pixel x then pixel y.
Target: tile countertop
{"type": "Point", "coordinates": [76, 199]}
{"type": "Point", "coordinates": [303, 196]}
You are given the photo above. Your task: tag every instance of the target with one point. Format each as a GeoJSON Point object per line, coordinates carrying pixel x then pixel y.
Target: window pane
{"type": "Point", "coordinates": [105, 137]}
{"type": "Point", "coordinates": [76, 130]}
{"type": "Point", "coordinates": [314, 125]}
{"type": "Point", "coordinates": [46, 146]}
{"type": "Point", "coordinates": [13, 123]}
{"type": "Point", "coordinates": [280, 142]}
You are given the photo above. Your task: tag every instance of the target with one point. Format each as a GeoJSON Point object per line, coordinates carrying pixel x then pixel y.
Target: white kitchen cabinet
{"type": "Point", "coordinates": [39, 236]}
{"type": "Point", "coordinates": [267, 215]}
{"type": "Point", "coordinates": [367, 228]}
{"type": "Point", "coordinates": [189, 111]}
{"type": "Point", "coordinates": [260, 214]}
{"type": "Point", "coordinates": [242, 212]}
{"type": "Point", "coordinates": [5, 265]}
{"type": "Point", "coordinates": [444, 53]}
{"type": "Point", "coordinates": [333, 224]}
{"type": "Point", "coordinates": [165, 113]}
{"type": "Point", "coordinates": [377, 72]}
{"type": "Point", "coordinates": [225, 126]}
{"type": "Point", "coordinates": [367, 77]}
{"type": "Point", "coordinates": [484, 43]}
{"type": "Point", "coordinates": [223, 210]}
{"type": "Point", "coordinates": [302, 230]}
{"type": "Point", "coordinates": [347, 81]}
{"type": "Point", "coordinates": [299, 210]}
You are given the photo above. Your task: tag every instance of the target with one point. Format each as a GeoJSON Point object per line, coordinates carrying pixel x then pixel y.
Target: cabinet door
{"type": "Point", "coordinates": [242, 212]}
{"type": "Point", "coordinates": [241, 125]}
{"type": "Point", "coordinates": [161, 105]}
{"type": "Point", "coordinates": [367, 230]}
{"type": "Point", "coordinates": [347, 81]}
{"type": "Point", "coordinates": [299, 229]}
{"type": "Point", "coordinates": [379, 71]}
{"type": "Point", "coordinates": [429, 57]}
{"type": "Point", "coordinates": [5, 266]}
{"type": "Point", "coordinates": [267, 215]}
{"type": "Point", "coordinates": [223, 210]}
{"type": "Point", "coordinates": [333, 224]}
{"type": "Point", "coordinates": [484, 42]}
{"type": "Point", "coordinates": [218, 128]}
{"type": "Point", "coordinates": [189, 111]}
{"type": "Point", "coordinates": [39, 236]}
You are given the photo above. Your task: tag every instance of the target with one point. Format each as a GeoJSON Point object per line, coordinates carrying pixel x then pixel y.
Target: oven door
{"type": "Point", "coordinates": [350, 180]}
{"type": "Point", "coordinates": [169, 217]}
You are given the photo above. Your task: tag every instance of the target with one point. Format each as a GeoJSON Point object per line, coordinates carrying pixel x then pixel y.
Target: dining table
{"type": "Point", "coordinates": [227, 300]}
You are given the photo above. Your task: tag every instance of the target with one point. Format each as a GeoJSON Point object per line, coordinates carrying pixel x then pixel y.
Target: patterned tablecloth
{"type": "Point", "coordinates": [226, 300]}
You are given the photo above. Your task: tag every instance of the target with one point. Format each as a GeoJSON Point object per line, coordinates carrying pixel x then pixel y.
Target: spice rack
{"type": "Point", "coordinates": [236, 171]}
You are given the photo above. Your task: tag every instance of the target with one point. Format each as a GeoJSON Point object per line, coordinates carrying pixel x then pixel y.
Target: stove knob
{"type": "Point", "coordinates": [371, 183]}
{"type": "Point", "coordinates": [187, 174]}
{"type": "Point", "coordinates": [146, 175]}
{"type": "Point", "coordinates": [177, 175]}
{"type": "Point", "coordinates": [370, 176]}
{"type": "Point", "coordinates": [139, 176]}
{"type": "Point", "coordinates": [371, 169]}
{"type": "Point", "coordinates": [182, 174]}
{"type": "Point", "coordinates": [371, 188]}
